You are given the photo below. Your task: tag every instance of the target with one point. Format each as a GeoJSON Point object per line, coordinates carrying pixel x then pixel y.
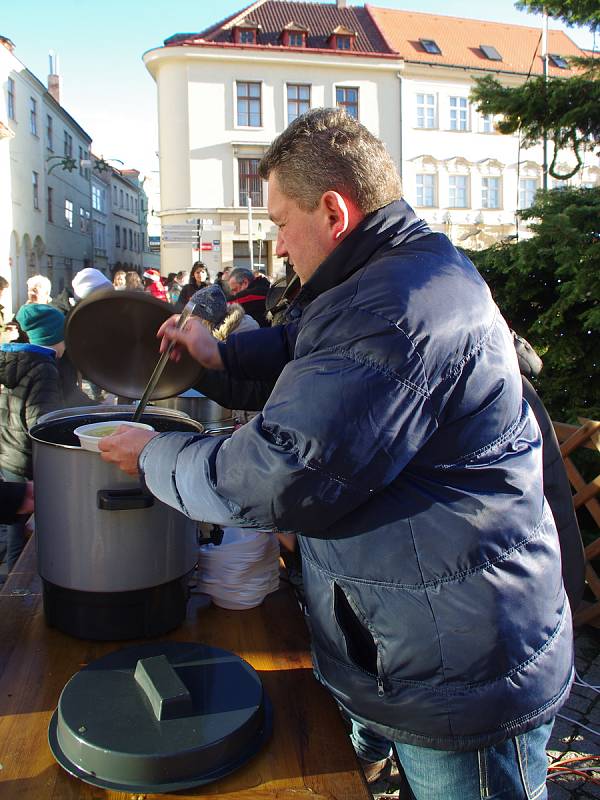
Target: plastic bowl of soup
{"type": "Point", "coordinates": [91, 434]}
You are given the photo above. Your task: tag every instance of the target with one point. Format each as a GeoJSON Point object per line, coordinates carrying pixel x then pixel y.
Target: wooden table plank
{"type": "Point", "coordinates": [309, 755]}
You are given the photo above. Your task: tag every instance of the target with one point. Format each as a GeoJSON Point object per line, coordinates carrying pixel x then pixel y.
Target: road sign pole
{"type": "Point", "coordinates": [251, 248]}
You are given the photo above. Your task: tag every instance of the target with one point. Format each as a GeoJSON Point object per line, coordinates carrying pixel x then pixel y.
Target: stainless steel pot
{"type": "Point", "coordinates": [197, 406]}
{"type": "Point", "coordinates": [97, 531]}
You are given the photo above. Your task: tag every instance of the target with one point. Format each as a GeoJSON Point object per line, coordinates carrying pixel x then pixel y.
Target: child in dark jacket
{"type": "Point", "coordinates": [30, 388]}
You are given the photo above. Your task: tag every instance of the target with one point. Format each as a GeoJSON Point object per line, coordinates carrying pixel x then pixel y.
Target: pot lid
{"type": "Point", "coordinates": [160, 717]}
{"type": "Point", "coordinates": [111, 338]}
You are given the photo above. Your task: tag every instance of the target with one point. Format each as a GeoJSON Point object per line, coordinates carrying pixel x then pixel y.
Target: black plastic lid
{"type": "Point", "coordinates": [111, 338]}
{"type": "Point", "coordinates": [160, 717]}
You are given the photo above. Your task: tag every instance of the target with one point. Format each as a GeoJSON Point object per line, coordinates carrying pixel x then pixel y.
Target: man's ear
{"type": "Point", "coordinates": [342, 214]}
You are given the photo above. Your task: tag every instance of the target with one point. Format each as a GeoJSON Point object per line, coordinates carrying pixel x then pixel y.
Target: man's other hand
{"type": "Point", "coordinates": [193, 337]}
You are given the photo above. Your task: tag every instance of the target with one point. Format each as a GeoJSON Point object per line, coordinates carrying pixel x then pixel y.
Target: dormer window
{"type": "Point", "coordinates": [342, 39]}
{"type": "Point", "coordinates": [430, 46]}
{"type": "Point", "coordinates": [558, 61]}
{"type": "Point", "coordinates": [293, 35]}
{"type": "Point", "coordinates": [490, 52]}
{"type": "Point", "coordinates": [245, 33]}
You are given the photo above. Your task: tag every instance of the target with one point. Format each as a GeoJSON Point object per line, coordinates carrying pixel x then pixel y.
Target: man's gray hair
{"type": "Point", "coordinates": [327, 149]}
{"type": "Point", "coordinates": [241, 273]}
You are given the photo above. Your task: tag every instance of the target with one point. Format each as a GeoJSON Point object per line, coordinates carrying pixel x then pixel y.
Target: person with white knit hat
{"type": "Point", "coordinates": [89, 280]}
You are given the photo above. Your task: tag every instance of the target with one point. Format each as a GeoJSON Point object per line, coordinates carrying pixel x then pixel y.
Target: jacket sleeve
{"type": "Point", "coordinates": [249, 377]}
{"type": "Point", "coordinates": [231, 393]}
{"type": "Point", "coordinates": [243, 354]}
{"type": "Point", "coordinates": [45, 393]}
{"type": "Point", "coordinates": [337, 428]}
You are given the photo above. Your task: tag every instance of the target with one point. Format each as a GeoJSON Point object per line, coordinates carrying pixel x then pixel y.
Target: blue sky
{"type": "Point", "coordinates": [105, 85]}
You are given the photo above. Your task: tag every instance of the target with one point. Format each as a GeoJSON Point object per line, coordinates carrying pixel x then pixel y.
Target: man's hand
{"type": "Point", "coordinates": [193, 337]}
{"type": "Point", "coordinates": [123, 448]}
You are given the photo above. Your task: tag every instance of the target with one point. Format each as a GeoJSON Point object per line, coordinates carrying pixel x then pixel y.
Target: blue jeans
{"type": "Point", "coordinates": [512, 770]}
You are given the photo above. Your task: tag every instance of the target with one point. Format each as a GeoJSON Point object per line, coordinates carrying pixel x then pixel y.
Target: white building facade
{"type": "Point", "coordinates": [219, 109]}
{"type": "Point", "coordinates": [224, 94]}
{"type": "Point", "coordinates": [46, 208]}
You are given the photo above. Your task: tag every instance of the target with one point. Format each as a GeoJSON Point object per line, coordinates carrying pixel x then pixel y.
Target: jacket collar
{"type": "Point", "coordinates": [26, 347]}
{"type": "Point", "coordinates": [394, 224]}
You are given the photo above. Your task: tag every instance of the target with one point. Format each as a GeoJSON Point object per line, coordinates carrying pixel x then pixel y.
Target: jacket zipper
{"type": "Point", "coordinates": [380, 690]}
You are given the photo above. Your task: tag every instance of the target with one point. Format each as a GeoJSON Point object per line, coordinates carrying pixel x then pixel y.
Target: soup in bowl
{"type": "Point", "coordinates": [91, 434]}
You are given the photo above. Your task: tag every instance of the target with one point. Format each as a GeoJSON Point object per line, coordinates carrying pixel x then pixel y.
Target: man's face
{"type": "Point", "coordinates": [237, 286]}
{"type": "Point", "coordinates": [302, 237]}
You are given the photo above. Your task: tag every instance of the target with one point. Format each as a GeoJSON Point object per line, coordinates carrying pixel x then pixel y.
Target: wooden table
{"type": "Point", "coordinates": [309, 756]}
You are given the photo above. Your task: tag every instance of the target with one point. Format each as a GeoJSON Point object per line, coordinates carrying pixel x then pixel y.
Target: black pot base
{"type": "Point", "coordinates": [115, 616]}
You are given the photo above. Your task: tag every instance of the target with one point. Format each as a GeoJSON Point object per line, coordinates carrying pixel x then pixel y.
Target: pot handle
{"type": "Point", "coordinates": [124, 499]}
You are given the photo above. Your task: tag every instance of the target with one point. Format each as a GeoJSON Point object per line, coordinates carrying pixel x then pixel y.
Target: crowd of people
{"type": "Point", "coordinates": [391, 434]}
{"type": "Point", "coordinates": [37, 376]}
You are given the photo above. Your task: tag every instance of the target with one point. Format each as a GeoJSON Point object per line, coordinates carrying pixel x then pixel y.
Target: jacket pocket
{"type": "Point", "coordinates": [360, 642]}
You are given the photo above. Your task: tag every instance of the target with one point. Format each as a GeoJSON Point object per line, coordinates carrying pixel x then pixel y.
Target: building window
{"type": "Point", "coordinates": [426, 111]}
{"type": "Point", "coordinates": [49, 133]}
{"type": "Point", "coordinates": [99, 238]}
{"type": "Point", "coordinates": [69, 213]}
{"type": "Point", "coordinates": [430, 46]}
{"type": "Point", "coordinates": [80, 160]}
{"type": "Point", "coordinates": [527, 189]}
{"type": "Point", "coordinates": [130, 239]}
{"type": "Point", "coordinates": [127, 199]}
{"type": "Point", "coordinates": [68, 145]}
{"type": "Point", "coordinates": [426, 190]}
{"type": "Point", "coordinates": [135, 205]}
{"type": "Point", "coordinates": [117, 236]}
{"type": "Point", "coordinates": [120, 198]}
{"type": "Point", "coordinates": [458, 191]}
{"type": "Point", "coordinates": [10, 98]}
{"type": "Point", "coordinates": [84, 220]}
{"type": "Point", "coordinates": [49, 200]}
{"type": "Point", "coordinates": [247, 37]}
{"type": "Point", "coordinates": [35, 182]}
{"type": "Point", "coordinates": [98, 199]}
{"type": "Point", "coordinates": [490, 192]}
{"type": "Point", "coordinates": [33, 126]}
{"type": "Point", "coordinates": [558, 61]}
{"type": "Point", "coordinates": [346, 97]}
{"type": "Point", "coordinates": [490, 52]}
{"type": "Point", "coordinates": [298, 100]}
{"type": "Point", "coordinates": [114, 195]}
{"type": "Point", "coordinates": [295, 39]}
{"type": "Point", "coordinates": [343, 42]}
{"type": "Point", "coordinates": [250, 183]}
{"type": "Point", "coordinates": [487, 123]}
{"type": "Point", "coordinates": [248, 105]}
{"type": "Point", "coordinates": [458, 113]}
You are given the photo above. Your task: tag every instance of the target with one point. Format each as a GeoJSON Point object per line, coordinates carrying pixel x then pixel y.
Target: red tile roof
{"type": "Point", "coordinates": [272, 16]}
{"type": "Point", "coordinates": [460, 39]}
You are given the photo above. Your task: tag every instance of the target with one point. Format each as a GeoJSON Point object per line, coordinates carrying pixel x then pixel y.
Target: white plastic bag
{"type": "Point", "coordinates": [241, 571]}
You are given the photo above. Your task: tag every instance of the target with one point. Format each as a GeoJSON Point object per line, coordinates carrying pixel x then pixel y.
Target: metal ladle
{"type": "Point", "coordinates": [162, 361]}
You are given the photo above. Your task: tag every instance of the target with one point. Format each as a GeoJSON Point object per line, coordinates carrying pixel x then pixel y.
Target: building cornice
{"type": "Point", "coordinates": [269, 54]}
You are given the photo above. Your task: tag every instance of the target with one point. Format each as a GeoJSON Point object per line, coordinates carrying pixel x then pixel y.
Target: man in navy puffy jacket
{"type": "Point", "coordinates": [395, 441]}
